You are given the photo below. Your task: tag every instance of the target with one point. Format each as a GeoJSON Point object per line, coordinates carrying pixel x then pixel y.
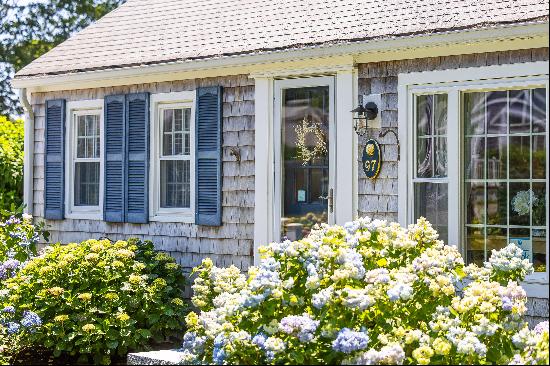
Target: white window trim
{"type": "Point", "coordinates": [74, 108]}
{"type": "Point", "coordinates": [454, 82]}
{"type": "Point", "coordinates": [184, 99]}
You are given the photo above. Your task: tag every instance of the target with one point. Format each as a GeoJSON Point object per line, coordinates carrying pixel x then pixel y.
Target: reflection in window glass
{"type": "Point", "coordinates": [305, 159]}
{"type": "Point", "coordinates": [505, 173]}
{"type": "Point", "coordinates": [431, 187]}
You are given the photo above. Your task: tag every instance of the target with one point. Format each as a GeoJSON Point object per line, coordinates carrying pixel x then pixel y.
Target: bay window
{"type": "Point", "coordinates": [477, 164]}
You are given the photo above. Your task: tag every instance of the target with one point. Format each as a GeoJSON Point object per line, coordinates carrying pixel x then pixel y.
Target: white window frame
{"type": "Point", "coordinates": [74, 109]}
{"type": "Point", "coordinates": [455, 83]}
{"type": "Point", "coordinates": [159, 102]}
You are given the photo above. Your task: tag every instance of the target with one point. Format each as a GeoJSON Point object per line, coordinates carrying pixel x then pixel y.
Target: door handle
{"type": "Point", "coordinates": [330, 199]}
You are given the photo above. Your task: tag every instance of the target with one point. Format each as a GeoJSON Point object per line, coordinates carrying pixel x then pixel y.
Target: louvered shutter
{"type": "Point", "coordinates": [137, 203]}
{"type": "Point", "coordinates": [208, 164]}
{"type": "Point", "coordinates": [115, 150]}
{"type": "Point", "coordinates": [54, 184]}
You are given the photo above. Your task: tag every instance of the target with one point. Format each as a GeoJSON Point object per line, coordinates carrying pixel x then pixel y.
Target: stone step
{"type": "Point", "coordinates": [165, 357]}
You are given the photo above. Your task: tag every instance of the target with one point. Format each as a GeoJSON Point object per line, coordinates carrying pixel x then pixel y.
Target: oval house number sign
{"type": "Point", "coordinates": [372, 159]}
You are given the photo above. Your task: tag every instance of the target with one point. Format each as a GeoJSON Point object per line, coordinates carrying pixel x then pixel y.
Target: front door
{"type": "Point", "coordinates": [304, 155]}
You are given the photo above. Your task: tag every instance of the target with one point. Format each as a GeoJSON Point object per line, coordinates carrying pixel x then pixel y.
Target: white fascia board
{"type": "Point", "coordinates": [527, 35]}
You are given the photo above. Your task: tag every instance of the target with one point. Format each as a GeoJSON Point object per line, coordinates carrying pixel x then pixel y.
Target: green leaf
{"type": "Point", "coordinates": [145, 333]}
{"type": "Point", "coordinates": [112, 344]}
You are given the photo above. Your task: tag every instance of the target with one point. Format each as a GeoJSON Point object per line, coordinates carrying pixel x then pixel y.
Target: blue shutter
{"type": "Point", "coordinates": [208, 164]}
{"type": "Point", "coordinates": [115, 142]}
{"type": "Point", "coordinates": [137, 149]}
{"type": "Point", "coordinates": [54, 184]}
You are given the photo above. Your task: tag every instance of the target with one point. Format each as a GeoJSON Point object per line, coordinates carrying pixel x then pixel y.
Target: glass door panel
{"type": "Point", "coordinates": [305, 130]}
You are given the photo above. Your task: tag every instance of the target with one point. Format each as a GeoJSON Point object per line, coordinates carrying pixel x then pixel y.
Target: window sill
{"type": "Point", "coordinates": [188, 218]}
{"type": "Point", "coordinates": [85, 215]}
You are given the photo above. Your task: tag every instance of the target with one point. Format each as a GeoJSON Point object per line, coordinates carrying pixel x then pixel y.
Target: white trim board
{"type": "Point", "coordinates": [454, 82]}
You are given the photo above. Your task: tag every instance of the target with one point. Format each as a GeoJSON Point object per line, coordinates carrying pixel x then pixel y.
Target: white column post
{"type": "Point", "coordinates": [345, 190]}
{"type": "Point", "coordinates": [263, 164]}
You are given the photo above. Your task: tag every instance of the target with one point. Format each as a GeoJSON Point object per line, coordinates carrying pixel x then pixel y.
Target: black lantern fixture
{"type": "Point", "coordinates": [362, 115]}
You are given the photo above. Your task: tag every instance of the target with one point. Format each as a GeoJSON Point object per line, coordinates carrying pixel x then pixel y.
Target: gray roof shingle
{"type": "Point", "coordinates": [159, 31]}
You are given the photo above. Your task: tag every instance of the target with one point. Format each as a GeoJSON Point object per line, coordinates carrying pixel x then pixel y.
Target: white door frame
{"type": "Point", "coordinates": [345, 177]}
{"type": "Point", "coordinates": [281, 85]}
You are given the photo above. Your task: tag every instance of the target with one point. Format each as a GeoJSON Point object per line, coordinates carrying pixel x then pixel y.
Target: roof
{"type": "Point", "coordinates": [144, 32]}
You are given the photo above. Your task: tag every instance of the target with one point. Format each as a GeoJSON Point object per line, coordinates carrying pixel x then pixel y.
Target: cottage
{"type": "Point", "coordinates": [211, 127]}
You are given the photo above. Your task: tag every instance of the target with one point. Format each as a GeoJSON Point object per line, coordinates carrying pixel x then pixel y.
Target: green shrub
{"type": "Point", "coordinates": [11, 163]}
{"type": "Point", "coordinates": [99, 298]}
{"type": "Point", "coordinates": [367, 293]}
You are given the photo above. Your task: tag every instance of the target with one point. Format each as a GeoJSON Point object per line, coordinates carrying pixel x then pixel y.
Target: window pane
{"type": "Point", "coordinates": [475, 203]}
{"type": "Point", "coordinates": [520, 111]}
{"type": "Point", "coordinates": [497, 203]}
{"type": "Point", "coordinates": [86, 184]}
{"type": "Point", "coordinates": [475, 242]}
{"type": "Point", "coordinates": [539, 110]}
{"type": "Point", "coordinates": [424, 168]}
{"type": "Point", "coordinates": [539, 204]}
{"type": "Point", "coordinates": [431, 202]}
{"type": "Point", "coordinates": [520, 150]}
{"type": "Point", "coordinates": [178, 143]}
{"type": "Point", "coordinates": [539, 249]}
{"type": "Point", "coordinates": [424, 107]}
{"type": "Point", "coordinates": [440, 157]}
{"type": "Point", "coordinates": [520, 203]}
{"type": "Point", "coordinates": [474, 119]}
{"type": "Point", "coordinates": [497, 157]}
{"type": "Point", "coordinates": [475, 157]}
{"type": "Point", "coordinates": [440, 118]}
{"type": "Point", "coordinates": [497, 238]}
{"type": "Point", "coordinates": [167, 144]}
{"type": "Point", "coordinates": [539, 157]}
{"type": "Point", "coordinates": [497, 112]}
{"type": "Point", "coordinates": [187, 120]}
{"type": "Point", "coordinates": [175, 186]}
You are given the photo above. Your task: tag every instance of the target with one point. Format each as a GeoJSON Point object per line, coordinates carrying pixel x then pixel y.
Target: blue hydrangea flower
{"type": "Point", "coordinates": [348, 341]}
{"type": "Point", "coordinates": [506, 303]}
{"type": "Point", "coordinates": [302, 326]}
{"type": "Point", "coordinates": [31, 320]}
{"type": "Point", "coordinates": [9, 309]}
{"type": "Point", "coordinates": [13, 327]}
{"type": "Point", "coordinates": [259, 340]}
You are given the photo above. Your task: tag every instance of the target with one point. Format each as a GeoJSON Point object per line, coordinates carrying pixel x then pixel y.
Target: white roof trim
{"type": "Point", "coordinates": [261, 64]}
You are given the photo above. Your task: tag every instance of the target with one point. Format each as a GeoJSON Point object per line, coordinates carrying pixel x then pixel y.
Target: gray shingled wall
{"type": "Point", "coordinates": [232, 243]}
{"type": "Point", "coordinates": [378, 198]}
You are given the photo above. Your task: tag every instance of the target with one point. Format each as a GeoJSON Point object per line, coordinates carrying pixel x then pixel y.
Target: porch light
{"type": "Point", "coordinates": [362, 115]}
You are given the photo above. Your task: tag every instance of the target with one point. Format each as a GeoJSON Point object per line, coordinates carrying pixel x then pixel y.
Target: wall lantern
{"type": "Point", "coordinates": [362, 115]}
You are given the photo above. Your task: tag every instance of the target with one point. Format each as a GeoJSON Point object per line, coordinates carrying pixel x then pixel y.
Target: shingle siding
{"type": "Point", "coordinates": [230, 243]}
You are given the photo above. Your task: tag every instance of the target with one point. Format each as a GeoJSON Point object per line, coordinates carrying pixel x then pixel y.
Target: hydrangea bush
{"type": "Point", "coordinates": [98, 298]}
{"type": "Point", "coordinates": [366, 293]}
